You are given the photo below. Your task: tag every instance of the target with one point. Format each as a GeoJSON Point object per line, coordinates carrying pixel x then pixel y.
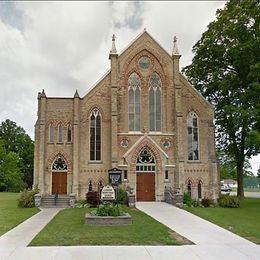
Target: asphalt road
{"type": "Point", "coordinates": [248, 194]}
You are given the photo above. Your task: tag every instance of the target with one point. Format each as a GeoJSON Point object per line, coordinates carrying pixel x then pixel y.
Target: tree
{"type": "Point", "coordinates": [16, 140]}
{"type": "Point", "coordinates": [10, 174]}
{"type": "Point", "coordinates": [226, 69]}
{"type": "Point", "coordinates": [258, 173]}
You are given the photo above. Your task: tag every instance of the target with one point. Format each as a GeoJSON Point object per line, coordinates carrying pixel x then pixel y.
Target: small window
{"type": "Point", "coordinates": [51, 134]}
{"type": "Point", "coordinates": [60, 134]}
{"type": "Point", "coordinates": [125, 174]}
{"type": "Point", "coordinates": [189, 187]}
{"type": "Point", "coordinates": [199, 190]}
{"type": "Point", "coordinates": [69, 134]}
{"type": "Point", "coordinates": [166, 175]}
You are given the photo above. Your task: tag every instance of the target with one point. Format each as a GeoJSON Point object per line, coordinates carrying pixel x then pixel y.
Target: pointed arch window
{"type": "Point", "coordinates": [59, 133]}
{"type": "Point", "coordinates": [155, 102]}
{"type": "Point", "coordinates": [95, 136]}
{"type": "Point", "coordinates": [134, 92]}
{"type": "Point", "coordinates": [69, 134]}
{"type": "Point", "coordinates": [51, 133]}
{"type": "Point", "coordinates": [189, 187]}
{"type": "Point", "coordinates": [193, 142]}
{"type": "Point", "coordinates": [200, 190]}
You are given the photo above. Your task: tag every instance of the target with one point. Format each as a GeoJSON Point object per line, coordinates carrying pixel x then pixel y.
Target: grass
{"type": "Point", "coordinates": [243, 221]}
{"type": "Point", "coordinates": [68, 229]}
{"type": "Point", "coordinates": [10, 214]}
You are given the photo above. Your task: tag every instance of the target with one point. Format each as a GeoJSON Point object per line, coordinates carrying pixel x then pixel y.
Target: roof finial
{"type": "Point", "coordinates": [43, 94]}
{"type": "Point", "coordinates": [113, 49]}
{"type": "Point", "coordinates": [175, 48]}
{"type": "Point", "coordinates": [76, 95]}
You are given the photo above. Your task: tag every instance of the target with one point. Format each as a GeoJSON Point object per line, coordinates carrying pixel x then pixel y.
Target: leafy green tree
{"type": "Point", "coordinates": [10, 173]}
{"type": "Point", "coordinates": [226, 69]}
{"type": "Point", "coordinates": [16, 140]}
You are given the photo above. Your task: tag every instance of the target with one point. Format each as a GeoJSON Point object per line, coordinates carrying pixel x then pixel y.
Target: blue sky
{"type": "Point", "coordinates": [64, 46]}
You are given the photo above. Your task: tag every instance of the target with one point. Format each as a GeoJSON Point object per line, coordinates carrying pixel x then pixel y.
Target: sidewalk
{"type": "Point", "coordinates": [211, 241]}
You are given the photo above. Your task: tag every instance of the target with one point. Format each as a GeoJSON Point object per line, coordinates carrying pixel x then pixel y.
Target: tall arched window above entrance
{"type": "Point", "coordinates": [69, 134]}
{"type": "Point", "coordinates": [95, 135]}
{"type": "Point", "coordinates": [155, 102]}
{"type": "Point", "coordinates": [193, 139]}
{"type": "Point", "coordinates": [60, 133]}
{"type": "Point", "coordinates": [145, 161]}
{"type": "Point", "coordinates": [134, 92]}
{"type": "Point", "coordinates": [51, 133]}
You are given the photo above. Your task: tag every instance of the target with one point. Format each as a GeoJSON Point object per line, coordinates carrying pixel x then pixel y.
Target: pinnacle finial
{"type": "Point", "coordinates": [76, 95]}
{"type": "Point", "coordinates": [175, 47]}
{"type": "Point", "coordinates": [113, 49]}
{"type": "Point", "coordinates": [43, 94]}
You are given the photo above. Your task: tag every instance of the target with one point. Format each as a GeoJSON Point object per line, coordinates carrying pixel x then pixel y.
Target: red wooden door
{"type": "Point", "coordinates": [145, 186]}
{"type": "Point", "coordinates": [59, 183]}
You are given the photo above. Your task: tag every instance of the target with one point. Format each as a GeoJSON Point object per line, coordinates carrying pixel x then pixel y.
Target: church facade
{"type": "Point", "coordinates": [143, 117]}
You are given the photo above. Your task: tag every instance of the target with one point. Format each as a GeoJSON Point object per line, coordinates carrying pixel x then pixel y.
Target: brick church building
{"type": "Point", "coordinates": [143, 117]}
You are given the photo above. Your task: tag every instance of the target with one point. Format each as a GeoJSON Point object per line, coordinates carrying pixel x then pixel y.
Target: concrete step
{"type": "Point", "coordinates": [62, 201]}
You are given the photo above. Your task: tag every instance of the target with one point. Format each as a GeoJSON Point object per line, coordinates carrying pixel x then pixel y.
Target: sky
{"type": "Point", "coordinates": [64, 46]}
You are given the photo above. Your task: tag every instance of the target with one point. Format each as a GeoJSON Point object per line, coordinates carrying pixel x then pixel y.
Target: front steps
{"type": "Point", "coordinates": [49, 201]}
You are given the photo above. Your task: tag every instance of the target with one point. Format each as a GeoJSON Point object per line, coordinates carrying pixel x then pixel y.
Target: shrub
{"type": "Point", "coordinates": [92, 198]}
{"type": "Point", "coordinates": [81, 204]}
{"type": "Point", "coordinates": [195, 203]}
{"type": "Point", "coordinates": [109, 210]}
{"type": "Point", "coordinates": [226, 201]}
{"type": "Point", "coordinates": [187, 199]}
{"type": "Point", "coordinates": [206, 202]}
{"type": "Point", "coordinates": [26, 199]}
{"type": "Point", "coordinates": [122, 199]}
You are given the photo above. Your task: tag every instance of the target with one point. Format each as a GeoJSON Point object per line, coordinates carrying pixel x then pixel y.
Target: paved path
{"type": "Point", "coordinates": [211, 242]}
{"type": "Point", "coordinates": [251, 194]}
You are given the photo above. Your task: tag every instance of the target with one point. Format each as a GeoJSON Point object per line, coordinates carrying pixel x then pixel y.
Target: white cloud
{"type": "Point", "coordinates": [64, 46]}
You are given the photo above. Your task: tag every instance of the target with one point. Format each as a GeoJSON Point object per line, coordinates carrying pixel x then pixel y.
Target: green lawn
{"type": "Point", "coordinates": [10, 214]}
{"type": "Point", "coordinates": [68, 228]}
{"type": "Point", "coordinates": [244, 221]}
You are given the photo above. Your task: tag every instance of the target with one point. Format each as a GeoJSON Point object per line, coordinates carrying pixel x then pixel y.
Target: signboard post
{"type": "Point", "coordinates": [114, 177]}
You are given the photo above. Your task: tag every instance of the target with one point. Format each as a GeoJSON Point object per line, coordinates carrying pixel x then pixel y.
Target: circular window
{"type": "Point", "coordinates": [166, 144]}
{"type": "Point", "coordinates": [124, 143]}
{"type": "Point", "coordinates": [144, 62]}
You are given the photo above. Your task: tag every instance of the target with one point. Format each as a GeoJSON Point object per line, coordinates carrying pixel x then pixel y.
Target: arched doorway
{"type": "Point", "coordinates": [145, 176]}
{"type": "Point", "coordinates": [59, 175]}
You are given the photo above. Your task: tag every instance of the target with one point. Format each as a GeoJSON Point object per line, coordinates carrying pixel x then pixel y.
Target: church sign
{"type": "Point", "coordinates": [108, 193]}
{"type": "Point", "coordinates": [114, 176]}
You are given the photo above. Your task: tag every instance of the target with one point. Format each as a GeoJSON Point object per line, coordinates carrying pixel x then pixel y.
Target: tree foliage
{"type": "Point", "coordinates": [226, 69]}
{"type": "Point", "coordinates": [16, 140]}
{"type": "Point", "coordinates": [10, 174]}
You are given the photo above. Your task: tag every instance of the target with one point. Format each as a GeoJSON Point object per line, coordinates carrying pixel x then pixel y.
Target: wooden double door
{"type": "Point", "coordinates": [59, 183]}
{"type": "Point", "coordinates": [145, 186]}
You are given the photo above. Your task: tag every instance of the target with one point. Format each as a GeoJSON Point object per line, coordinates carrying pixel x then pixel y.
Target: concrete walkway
{"type": "Point", "coordinates": [211, 241]}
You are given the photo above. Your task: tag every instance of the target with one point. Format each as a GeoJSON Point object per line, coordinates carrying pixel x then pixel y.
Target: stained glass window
{"type": "Point", "coordinates": [95, 136]}
{"type": "Point", "coordinates": [59, 164]}
{"type": "Point", "coordinates": [145, 161]}
{"type": "Point", "coordinates": [155, 102]}
{"type": "Point", "coordinates": [51, 134]}
{"type": "Point", "coordinates": [144, 62]}
{"type": "Point", "coordinates": [193, 142]}
{"type": "Point", "coordinates": [134, 84]}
